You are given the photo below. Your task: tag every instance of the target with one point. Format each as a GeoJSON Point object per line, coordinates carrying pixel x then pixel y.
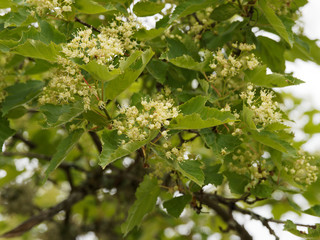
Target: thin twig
{"type": "Point", "coordinates": [86, 24]}
{"type": "Point", "coordinates": [97, 142]}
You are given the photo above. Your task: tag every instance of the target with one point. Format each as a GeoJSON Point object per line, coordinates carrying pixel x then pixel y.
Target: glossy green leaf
{"type": "Point", "coordinates": [147, 8]}
{"type": "Point", "coordinates": [38, 49]}
{"type": "Point", "coordinates": [274, 21]}
{"type": "Point", "coordinates": [146, 197]}
{"type": "Point", "coordinates": [5, 131]}
{"type": "Point", "coordinates": [113, 149]}
{"type": "Point", "coordinates": [89, 7]}
{"type": "Point", "coordinates": [100, 72]}
{"type": "Point", "coordinates": [21, 93]}
{"type": "Point", "coordinates": [225, 11]}
{"type": "Point", "coordinates": [64, 147]}
{"type": "Point", "coordinates": [132, 69]}
{"type": "Point", "coordinates": [259, 77]}
{"type": "Point", "coordinates": [176, 205]}
{"type": "Point", "coordinates": [57, 115]}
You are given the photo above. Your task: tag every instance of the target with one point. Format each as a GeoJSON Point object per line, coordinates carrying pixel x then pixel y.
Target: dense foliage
{"type": "Point", "coordinates": [126, 125]}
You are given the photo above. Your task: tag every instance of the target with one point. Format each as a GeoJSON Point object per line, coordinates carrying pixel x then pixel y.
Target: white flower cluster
{"type": "Point", "coordinates": [265, 110]}
{"type": "Point", "coordinates": [65, 83]}
{"type": "Point", "coordinates": [244, 162]}
{"type": "Point", "coordinates": [54, 6]}
{"type": "Point", "coordinates": [226, 67]}
{"type": "Point", "coordinates": [137, 124]}
{"type": "Point", "coordinates": [113, 40]}
{"type": "Point", "coordinates": [303, 172]}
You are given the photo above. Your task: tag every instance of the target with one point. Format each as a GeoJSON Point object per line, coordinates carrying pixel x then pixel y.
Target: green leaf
{"type": "Point", "coordinates": [89, 7]}
{"type": "Point", "coordinates": [5, 131]}
{"type": "Point", "coordinates": [113, 149]}
{"type": "Point", "coordinates": [314, 210]}
{"type": "Point", "coordinates": [186, 61]}
{"type": "Point", "coordinates": [49, 33]}
{"type": "Point", "coordinates": [217, 142]}
{"type": "Point", "coordinates": [207, 117]}
{"type": "Point", "coordinates": [273, 140]}
{"type": "Point", "coordinates": [145, 35]}
{"type": "Point", "coordinates": [192, 170]}
{"type": "Point", "coordinates": [64, 147]}
{"type": "Point", "coordinates": [37, 49]}
{"type": "Point", "coordinates": [176, 205]}
{"type": "Point", "coordinates": [194, 105]}
{"type": "Point", "coordinates": [100, 72]}
{"type": "Point", "coordinates": [144, 9]}
{"type": "Point", "coordinates": [262, 190]}
{"type": "Point", "coordinates": [6, 3]}
{"type": "Point", "coordinates": [21, 93]}
{"type": "Point", "coordinates": [146, 195]}
{"type": "Point", "coordinates": [225, 11]}
{"type": "Point", "coordinates": [60, 114]}
{"type": "Point", "coordinates": [271, 53]}
{"type": "Point", "coordinates": [274, 21]}
{"type": "Point", "coordinates": [190, 6]}
{"type": "Point", "coordinates": [158, 70]}
{"type": "Point", "coordinates": [196, 116]}
{"type": "Point", "coordinates": [95, 118]}
{"type": "Point", "coordinates": [212, 175]}
{"type": "Point", "coordinates": [248, 115]}
{"type": "Point", "coordinates": [237, 183]}
{"type": "Point", "coordinates": [259, 77]}
{"type": "Point", "coordinates": [312, 233]}
{"type": "Point", "coordinates": [132, 68]}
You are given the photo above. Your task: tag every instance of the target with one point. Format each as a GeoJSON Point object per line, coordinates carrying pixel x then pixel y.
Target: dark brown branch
{"type": "Point", "coordinates": [96, 140]}
{"type": "Point", "coordinates": [262, 219]}
{"type": "Point", "coordinates": [86, 24]}
{"type": "Point", "coordinates": [213, 202]}
{"type": "Point", "coordinates": [45, 215]}
{"type": "Point", "coordinates": [197, 19]}
{"type": "Point", "coordinates": [30, 144]}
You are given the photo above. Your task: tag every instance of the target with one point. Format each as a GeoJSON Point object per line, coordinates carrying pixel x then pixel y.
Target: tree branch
{"type": "Point", "coordinates": [30, 144]}
{"type": "Point", "coordinates": [96, 140]}
{"type": "Point", "coordinates": [213, 202]}
{"type": "Point", "coordinates": [45, 215]}
{"type": "Point", "coordinates": [86, 24]}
